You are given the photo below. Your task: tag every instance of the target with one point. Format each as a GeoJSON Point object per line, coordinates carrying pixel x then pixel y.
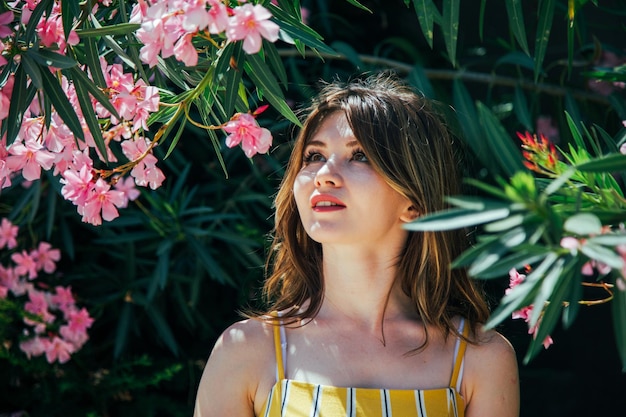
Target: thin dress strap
{"type": "Point", "coordinates": [459, 357]}
{"type": "Point", "coordinates": [280, 345]}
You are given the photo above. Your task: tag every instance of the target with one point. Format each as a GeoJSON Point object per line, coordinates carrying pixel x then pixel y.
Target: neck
{"type": "Point", "coordinates": [360, 287]}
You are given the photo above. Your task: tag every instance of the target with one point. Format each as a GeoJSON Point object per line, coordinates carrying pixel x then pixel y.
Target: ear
{"type": "Point", "coordinates": [409, 214]}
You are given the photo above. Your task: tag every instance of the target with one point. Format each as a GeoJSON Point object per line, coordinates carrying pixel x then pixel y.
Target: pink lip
{"type": "Point", "coordinates": [337, 204]}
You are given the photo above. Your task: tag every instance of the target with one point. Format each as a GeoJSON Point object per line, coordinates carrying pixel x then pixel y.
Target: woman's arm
{"type": "Point", "coordinates": [231, 376]}
{"type": "Point", "coordinates": [491, 379]}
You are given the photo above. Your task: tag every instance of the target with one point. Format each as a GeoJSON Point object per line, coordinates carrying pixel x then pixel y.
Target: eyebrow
{"type": "Point", "coordinates": [322, 144]}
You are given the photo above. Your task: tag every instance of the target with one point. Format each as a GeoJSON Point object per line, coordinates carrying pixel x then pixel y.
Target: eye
{"type": "Point", "coordinates": [312, 156]}
{"type": "Point", "coordinates": [359, 156]}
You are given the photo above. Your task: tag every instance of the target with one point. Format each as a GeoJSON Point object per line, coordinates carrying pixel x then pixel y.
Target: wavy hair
{"type": "Point", "coordinates": [409, 145]}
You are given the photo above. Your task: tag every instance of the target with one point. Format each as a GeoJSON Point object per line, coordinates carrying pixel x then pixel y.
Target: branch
{"type": "Point", "coordinates": [442, 74]}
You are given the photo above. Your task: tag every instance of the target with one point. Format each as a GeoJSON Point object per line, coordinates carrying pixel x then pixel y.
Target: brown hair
{"type": "Point", "coordinates": [408, 144]}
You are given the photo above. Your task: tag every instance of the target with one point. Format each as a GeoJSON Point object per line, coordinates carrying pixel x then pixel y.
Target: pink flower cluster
{"type": "Point", "coordinates": [168, 27]}
{"type": "Point", "coordinates": [54, 325]}
{"type": "Point", "coordinates": [243, 129]}
{"type": "Point", "coordinates": [39, 147]}
{"type": "Point", "coordinates": [515, 278]}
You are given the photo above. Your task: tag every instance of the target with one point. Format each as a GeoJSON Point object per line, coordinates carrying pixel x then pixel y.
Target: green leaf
{"type": "Point", "coordinates": [426, 12]}
{"type": "Point", "coordinates": [61, 103]}
{"type": "Point", "coordinates": [502, 147]}
{"type": "Point", "coordinates": [516, 23]}
{"type": "Point", "coordinates": [179, 133]}
{"type": "Point", "coordinates": [79, 77]}
{"type": "Point", "coordinates": [450, 27]}
{"type": "Point", "coordinates": [163, 329]}
{"type": "Point", "coordinates": [359, 5]}
{"type": "Point", "coordinates": [550, 314]}
{"type": "Point", "coordinates": [468, 119]}
{"type": "Point", "coordinates": [522, 112]}
{"type": "Point", "coordinates": [92, 59]}
{"type": "Point", "coordinates": [523, 294]}
{"type": "Point", "coordinates": [32, 69]}
{"type": "Point", "coordinates": [618, 307]}
{"type": "Point", "coordinates": [210, 265]}
{"type": "Point", "coordinates": [456, 219]}
{"type": "Point", "coordinates": [112, 30]}
{"type": "Point", "coordinates": [609, 239]}
{"type": "Point", "coordinates": [69, 10]}
{"type": "Point", "coordinates": [608, 163]}
{"type": "Point", "coordinates": [49, 58]}
{"type": "Point", "coordinates": [17, 105]}
{"type": "Point", "coordinates": [583, 224]}
{"type": "Point", "coordinates": [418, 78]}
{"type": "Point", "coordinates": [123, 326]}
{"type": "Point", "coordinates": [548, 285]}
{"type": "Point", "coordinates": [45, 6]}
{"type": "Point", "coordinates": [262, 77]}
{"type": "Point", "coordinates": [544, 26]}
{"type": "Point", "coordinates": [481, 19]}
{"type": "Point", "coordinates": [232, 79]}
{"type": "Point", "coordinates": [90, 118]}
{"type": "Point", "coordinates": [603, 254]}
{"type": "Point", "coordinates": [527, 255]}
{"type": "Point", "coordinates": [296, 30]}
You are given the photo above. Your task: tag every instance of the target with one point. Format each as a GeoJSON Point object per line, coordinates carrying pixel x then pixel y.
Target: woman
{"type": "Point", "coordinates": [370, 320]}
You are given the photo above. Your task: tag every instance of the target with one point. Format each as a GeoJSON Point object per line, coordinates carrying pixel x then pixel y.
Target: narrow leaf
{"type": "Point", "coordinates": [79, 77]}
{"type": "Point", "coordinates": [456, 219]}
{"type": "Point", "coordinates": [609, 163]}
{"type": "Point", "coordinates": [425, 15]}
{"type": "Point", "coordinates": [49, 58]}
{"type": "Point", "coordinates": [618, 306]}
{"type": "Point", "coordinates": [503, 149]}
{"type": "Point", "coordinates": [32, 70]}
{"type": "Point", "coordinates": [92, 59]}
{"type": "Point", "coordinates": [112, 30]}
{"type": "Point", "coordinates": [544, 26]}
{"type": "Point", "coordinates": [450, 27]}
{"type": "Point", "coordinates": [262, 77]}
{"type": "Point", "coordinates": [61, 103]}
{"type": "Point", "coordinates": [516, 23]}
{"type": "Point", "coordinates": [521, 109]}
{"type": "Point", "coordinates": [17, 105]}
{"type": "Point", "coordinates": [90, 118]}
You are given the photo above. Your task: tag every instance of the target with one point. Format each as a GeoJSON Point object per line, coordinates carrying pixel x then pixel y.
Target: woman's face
{"type": "Point", "coordinates": [341, 199]}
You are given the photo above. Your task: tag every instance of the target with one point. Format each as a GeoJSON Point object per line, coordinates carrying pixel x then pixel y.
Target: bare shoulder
{"type": "Point", "coordinates": [240, 362]}
{"type": "Point", "coordinates": [491, 379]}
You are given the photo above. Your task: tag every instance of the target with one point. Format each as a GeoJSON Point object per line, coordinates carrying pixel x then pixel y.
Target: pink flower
{"type": "Point", "coordinates": [185, 51]}
{"type": "Point", "coordinates": [8, 234]}
{"type": "Point", "coordinates": [546, 342]}
{"type": "Point", "coordinates": [218, 16]}
{"type": "Point", "coordinates": [77, 184]}
{"type": "Point", "coordinates": [102, 203]}
{"type": "Point", "coordinates": [25, 264]}
{"type": "Point", "coordinates": [38, 305]}
{"type": "Point", "coordinates": [79, 321]}
{"type": "Point", "coordinates": [33, 347]}
{"type": "Point", "coordinates": [63, 299]}
{"type": "Point", "coordinates": [6, 19]}
{"type": "Point", "coordinates": [30, 157]}
{"type": "Point", "coordinates": [127, 187]}
{"type": "Point", "coordinates": [148, 175]}
{"type": "Point", "coordinates": [46, 257]}
{"type": "Point", "coordinates": [58, 350]}
{"type": "Point", "coordinates": [250, 23]}
{"type": "Point", "coordinates": [244, 129]}
{"type": "Point", "coordinates": [525, 313]}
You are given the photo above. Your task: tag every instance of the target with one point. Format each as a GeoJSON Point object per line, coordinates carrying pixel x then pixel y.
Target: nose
{"type": "Point", "coordinates": [328, 175]}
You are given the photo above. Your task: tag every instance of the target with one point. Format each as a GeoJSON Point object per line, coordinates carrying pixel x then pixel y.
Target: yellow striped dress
{"type": "Point", "coordinates": [289, 398]}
